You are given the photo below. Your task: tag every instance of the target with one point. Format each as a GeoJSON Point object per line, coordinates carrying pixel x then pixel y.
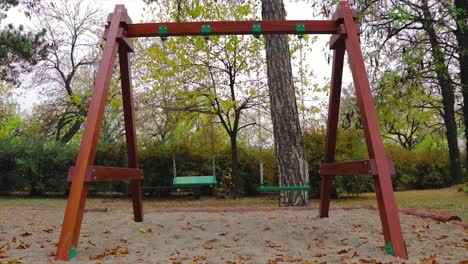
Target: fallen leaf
{"type": "Point", "coordinates": [195, 259]}
{"type": "Point", "coordinates": [429, 260]}
{"type": "Point", "coordinates": [25, 234]}
{"type": "Point", "coordinates": [22, 245]}
{"type": "Point", "coordinates": [48, 230]}
{"type": "Point", "coordinates": [319, 255]}
{"type": "Point", "coordinates": [117, 251]}
{"type": "Point", "coordinates": [343, 251]}
{"type": "Point", "coordinates": [13, 261]}
{"type": "Point", "coordinates": [5, 247]}
{"type": "Point", "coordinates": [271, 244]}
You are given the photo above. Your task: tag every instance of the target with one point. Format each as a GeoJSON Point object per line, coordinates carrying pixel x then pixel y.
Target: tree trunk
{"type": "Point", "coordinates": [235, 161]}
{"type": "Point", "coordinates": [462, 39]}
{"type": "Point", "coordinates": [289, 144]}
{"type": "Point", "coordinates": [448, 95]}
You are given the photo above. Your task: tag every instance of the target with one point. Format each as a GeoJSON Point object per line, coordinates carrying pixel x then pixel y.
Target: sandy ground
{"type": "Point", "coordinates": [347, 236]}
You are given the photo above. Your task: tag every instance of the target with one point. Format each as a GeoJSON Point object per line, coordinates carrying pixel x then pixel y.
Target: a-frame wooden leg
{"type": "Point", "coordinates": [332, 123]}
{"type": "Point", "coordinates": [79, 219]}
{"type": "Point", "coordinates": [130, 130]}
{"type": "Point", "coordinates": [76, 200]}
{"type": "Point", "coordinates": [387, 205]}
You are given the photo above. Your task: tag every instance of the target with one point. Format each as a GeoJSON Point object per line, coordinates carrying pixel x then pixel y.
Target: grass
{"type": "Point", "coordinates": [448, 200]}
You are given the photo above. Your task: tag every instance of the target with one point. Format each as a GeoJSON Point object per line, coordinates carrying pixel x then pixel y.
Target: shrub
{"type": "Point", "coordinates": [225, 188]}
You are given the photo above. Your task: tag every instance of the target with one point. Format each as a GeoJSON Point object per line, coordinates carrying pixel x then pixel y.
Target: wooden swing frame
{"type": "Point", "coordinates": [344, 29]}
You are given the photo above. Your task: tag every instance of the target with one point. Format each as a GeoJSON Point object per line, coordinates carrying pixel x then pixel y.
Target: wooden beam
{"type": "Point", "coordinates": [232, 27]}
{"type": "Point", "coordinates": [130, 130]}
{"type": "Point", "coordinates": [382, 179]}
{"type": "Point", "coordinates": [76, 201]}
{"type": "Point", "coordinates": [124, 40]}
{"type": "Point", "coordinates": [361, 167]}
{"type": "Point", "coordinates": [332, 123]}
{"type": "Point", "coordinates": [100, 173]}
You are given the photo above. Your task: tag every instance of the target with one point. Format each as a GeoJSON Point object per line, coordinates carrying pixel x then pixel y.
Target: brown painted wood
{"type": "Point", "coordinates": [332, 124]}
{"type": "Point", "coordinates": [120, 30]}
{"type": "Point", "coordinates": [233, 27]}
{"type": "Point", "coordinates": [76, 200]}
{"type": "Point", "coordinates": [360, 167]}
{"type": "Point", "coordinates": [124, 40]}
{"type": "Point", "coordinates": [384, 190]}
{"type": "Point", "coordinates": [100, 173]}
{"type": "Point", "coordinates": [130, 131]}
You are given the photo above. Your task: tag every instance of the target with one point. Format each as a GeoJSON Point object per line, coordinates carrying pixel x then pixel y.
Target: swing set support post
{"type": "Point", "coordinates": [382, 173]}
{"type": "Point", "coordinates": [73, 217]}
{"type": "Point", "coordinates": [344, 29]}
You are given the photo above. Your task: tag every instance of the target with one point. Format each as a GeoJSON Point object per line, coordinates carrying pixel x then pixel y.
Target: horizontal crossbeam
{"type": "Point", "coordinates": [99, 173]}
{"type": "Point", "coordinates": [361, 167]}
{"type": "Point", "coordinates": [232, 28]}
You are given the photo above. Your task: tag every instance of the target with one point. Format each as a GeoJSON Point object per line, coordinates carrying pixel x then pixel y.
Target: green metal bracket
{"type": "Point", "coordinates": [72, 253]}
{"type": "Point", "coordinates": [257, 30]}
{"type": "Point", "coordinates": [163, 32]}
{"type": "Point", "coordinates": [300, 30]}
{"type": "Point", "coordinates": [206, 31]}
{"type": "Point", "coordinates": [389, 248]}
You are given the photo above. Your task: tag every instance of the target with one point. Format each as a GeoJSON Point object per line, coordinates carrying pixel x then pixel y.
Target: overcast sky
{"type": "Point", "coordinates": [296, 10]}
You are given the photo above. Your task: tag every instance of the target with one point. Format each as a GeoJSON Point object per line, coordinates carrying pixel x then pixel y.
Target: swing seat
{"type": "Point", "coordinates": [184, 181]}
{"type": "Point", "coordinates": [284, 188]}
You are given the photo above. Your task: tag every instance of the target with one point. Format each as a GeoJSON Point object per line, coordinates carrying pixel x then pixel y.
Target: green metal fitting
{"type": "Point", "coordinates": [300, 30]}
{"type": "Point", "coordinates": [72, 254]}
{"type": "Point", "coordinates": [389, 248]}
{"type": "Point", "coordinates": [257, 30]}
{"type": "Point", "coordinates": [206, 31]}
{"type": "Point", "coordinates": [163, 32]}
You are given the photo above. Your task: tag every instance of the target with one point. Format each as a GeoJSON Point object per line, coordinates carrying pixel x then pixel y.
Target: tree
{"type": "Point", "coordinates": [227, 80]}
{"type": "Point", "coordinates": [461, 34]}
{"type": "Point", "coordinates": [19, 50]}
{"type": "Point", "coordinates": [67, 74]}
{"type": "Point", "coordinates": [10, 121]}
{"type": "Point", "coordinates": [289, 143]}
{"type": "Point", "coordinates": [425, 26]}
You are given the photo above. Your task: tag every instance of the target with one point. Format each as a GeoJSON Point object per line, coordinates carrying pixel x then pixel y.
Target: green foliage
{"type": "Point", "coordinates": [350, 147]}
{"type": "Point", "coordinates": [19, 50]}
{"type": "Point", "coordinates": [225, 188]}
{"type": "Point", "coordinates": [463, 188]}
{"type": "Point", "coordinates": [35, 166]}
{"type": "Point", "coordinates": [421, 169]}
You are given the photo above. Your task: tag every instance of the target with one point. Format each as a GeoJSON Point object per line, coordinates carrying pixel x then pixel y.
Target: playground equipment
{"type": "Point", "coordinates": [305, 187]}
{"type": "Point", "coordinates": [344, 29]}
